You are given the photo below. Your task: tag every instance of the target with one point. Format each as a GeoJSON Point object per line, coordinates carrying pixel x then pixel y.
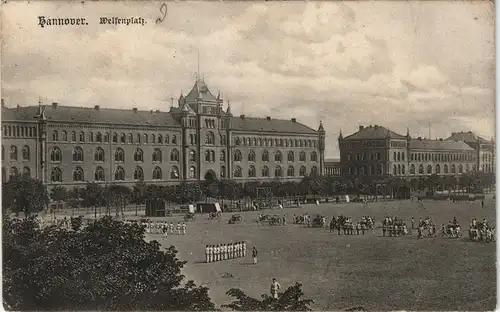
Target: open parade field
{"type": "Point", "coordinates": [339, 272]}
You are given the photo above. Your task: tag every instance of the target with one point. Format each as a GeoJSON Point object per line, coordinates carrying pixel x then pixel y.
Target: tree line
{"type": "Point", "coordinates": [26, 195]}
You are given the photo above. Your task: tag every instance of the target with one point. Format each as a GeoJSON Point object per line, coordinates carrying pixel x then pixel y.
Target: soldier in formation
{"type": "Point", "coordinates": [221, 252]}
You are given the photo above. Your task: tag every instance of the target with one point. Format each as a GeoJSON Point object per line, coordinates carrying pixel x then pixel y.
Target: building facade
{"type": "Point", "coordinates": [377, 151]}
{"type": "Point", "coordinates": [332, 167]}
{"type": "Point", "coordinates": [196, 141]}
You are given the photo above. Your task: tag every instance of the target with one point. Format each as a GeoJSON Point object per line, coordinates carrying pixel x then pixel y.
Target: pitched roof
{"type": "Point", "coordinates": [448, 145]}
{"type": "Point", "coordinates": [374, 132]}
{"type": "Point", "coordinates": [468, 137]}
{"type": "Point", "coordinates": [270, 125]}
{"type": "Point", "coordinates": [200, 91]}
{"type": "Point", "coordinates": [87, 114]}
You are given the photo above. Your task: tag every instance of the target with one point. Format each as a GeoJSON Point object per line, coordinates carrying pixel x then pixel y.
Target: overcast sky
{"type": "Point", "coordinates": [398, 64]}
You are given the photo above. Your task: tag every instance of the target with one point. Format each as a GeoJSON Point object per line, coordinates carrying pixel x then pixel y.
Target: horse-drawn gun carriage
{"type": "Point", "coordinates": [318, 221]}
{"type": "Point", "coordinates": [481, 231]}
{"type": "Point", "coordinates": [189, 216]}
{"type": "Point", "coordinates": [214, 215]}
{"type": "Point", "coordinates": [452, 230]}
{"type": "Point", "coordinates": [235, 219]}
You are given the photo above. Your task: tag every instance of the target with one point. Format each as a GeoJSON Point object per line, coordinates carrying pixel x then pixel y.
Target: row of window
{"type": "Point", "coordinates": [334, 171]}
{"type": "Point", "coordinates": [19, 131]}
{"type": "Point", "coordinates": [440, 157]}
{"type": "Point", "coordinates": [78, 155]}
{"type": "Point", "coordinates": [487, 157]}
{"type": "Point", "coordinates": [278, 172]}
{"type": "Point", "coordinates": [13, 171]}
{"type": "Point", "coordinates": [366, 156]}
{"type": "Point", "coordinates": [362, 144]}
{"type": "Point", "coordinates": [435, 169]}
{"type": "Point", "coordinates": [119, 174]}
{"type": "Point", "coordinates": [274, 142]}
{"type": "Point", "coordinates": [277, 156]}
{"type": "Point", "coordinates": [115, 138]}
{"type": "Point", "coordinates": [13, 153]}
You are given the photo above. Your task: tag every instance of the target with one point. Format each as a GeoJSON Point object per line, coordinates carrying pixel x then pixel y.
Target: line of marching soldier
{"type": "Point", "coordinates": [225, 251]}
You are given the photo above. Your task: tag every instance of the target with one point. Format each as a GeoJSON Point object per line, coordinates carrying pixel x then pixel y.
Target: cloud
{"type": "Point", "coordinates": [398, 64]}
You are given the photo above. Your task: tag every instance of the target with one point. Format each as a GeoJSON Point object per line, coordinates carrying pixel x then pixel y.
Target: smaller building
{"type": "Point", "coordinates": [332, 167]}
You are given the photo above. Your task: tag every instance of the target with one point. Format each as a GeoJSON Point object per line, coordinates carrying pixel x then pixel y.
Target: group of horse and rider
{"type": "Point", "coordinates": [347, 226]}
{"type": "Point", "coordinates": [481, 231]}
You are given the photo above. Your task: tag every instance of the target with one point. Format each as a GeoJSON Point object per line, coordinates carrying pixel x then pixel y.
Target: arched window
{"type": "Point", "coordinates": [146, 138]}
{"type": "Point", "coordinates": [314, 169]}
{"type": "Point", "coordinates": [26, 153]}
{"type": "Point", "coordinates": [98, 137]}
{"type": "Point", "coordinates": [55, 154]}
{"type": "Point", "coordinates": [278, 156]}
{"type": "Point", "coordinates": [167, 139]}
{"type": "Point", "coordinates": [223, 139]}
{"type": "Point", "coordinates": [460, 168]}
{"type": "Point", "coordinates": [174, 139]}
{"type": "Point", "coordinates": [265, 171]}
{"type": "Point", "coordinates": [314, 156]}
{"type": "Point", "coordinates": [160, 139]}
{"type": "Point", "coordinates": [278, 172]}
{"type": "Point", "coordinates": [394, 156]}
{"type": "Point", "coordinates": [138, 174]}
{"type": "Point", "coordinates": [91, 137]}
{"type": "Point", "coordinates": [290, 156]}
{"type": "Point", "coordinates": [55, 136]}
{"type": "Point", "coordinates": [99, 154]}
{"type": "Point", "coordinates": [78, 154]}
{"type": "Point", "coordinates": [445, 168]}
{"type": "Point", "coordinates": [82, 137]}
{"type": "Point", "coordinates": [251, 156]}
{"type": "Point", "coordinates": [222, 155]}
{"type": "Point", "coordinates": [237, 141]}
{"type": "Point", "coordinates": [412, 169]}
{"type": "Point", "coordinates": [157, 173]}
{"type": "Point", "coordinates": [99, 174]}
{"type": "Point", "coordinates": [64, 136]}
{"type": "Point", "coordinates": [130, 138]}
{"type": "Point", "coordinates": [207, 156]}
{"type": "Point", "coordinates": [13, 172]}
{"type": "Point", "coordinates": [399, 156]}
{"type": "Point", "coordinates": [302, 171]}
{"type": "Point", "coordinates": [115, 137]}
{"type": "Point", "coordinates": [237, 172]}
{"type": "Point", "coordinates": [265, 155]}
{"type": "Point", "coordinates": [119, 155]}
{"type": "Point", "coordinates": [291, 171]}
{"type": "Point", "coordinates": [302, 155]}
{"type": "Point", "coordinates": [191, 139]}
{"type": "Point", "coordinates": [192, 155]}
{"type": "Point", "coordinates": [210, 138]}
{"type": "Point", "coordinates": [222, 171]}
{"type": "Point", "coordinates": [453, 170]}
{"type": "Point", "coordinates": [119, 174]}
{"type": "Point", "coordinates": [174, 173]}
{"type": "Point", "coordinates": [56, 175]}
{"type": "Point", "coordinates": [438, 168]}
{"type": "Point", "coordinates": [153, 139]}
{"type": "Point", "coordinates": [421, 169]}
{"type": "Point", "coordinates": [251, 171]}
{"type": "Point", "coordinates": [192, 172]}
{"type": "Point", "coordinates": [78, 174]}
{"type": "Point", "coordinates": [13, 152]}
{"type": "Point", "coordinates": [174, 155]}
{"type": "Point", "coordinates": [403, 170]}
{"type": "Point", "coordinates": [73, 136]}
{"type": "Point", "coordinates": [157, 156]}
{"type": "Point", "coordinates": [122, 138]}
{"type": "Point", "coordinates": [138, 155]}
{"type": "Point", "coordinates": [106, 137]}
{"type": "Point", "coordinates": [399, 169]}
{"type": "Point", "coordinates": [255, 142]}
{"type": "Point", "coordinates": [237, 155]}
{"type": "Point", "coordinates": [26, 172]}
{"type": "Point", "coordinates": [429, 169]}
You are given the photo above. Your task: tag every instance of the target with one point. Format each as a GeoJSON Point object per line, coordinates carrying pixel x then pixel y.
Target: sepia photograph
{"type": "Point", "coordinates": [248, 155]}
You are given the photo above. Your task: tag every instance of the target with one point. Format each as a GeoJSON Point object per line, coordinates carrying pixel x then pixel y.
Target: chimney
{"type": "Point", "coordinates": [268, 118]}
{"type": "Point", "coordinates": [294, 120]}
{"type": "Point", "coordinates": [242, 116]}
{"type": "Point", "coordinates": [361, 128]}
{"type": "Point", "coordinates": [54, 104]}
{"type": "Point", "coordinates": [135, 109]}
{"type": "Point", "coordinates": [97, 107]}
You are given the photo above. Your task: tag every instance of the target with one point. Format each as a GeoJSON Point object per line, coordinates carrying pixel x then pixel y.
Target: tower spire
{"type": "Point", "coordinates": [198, 75]}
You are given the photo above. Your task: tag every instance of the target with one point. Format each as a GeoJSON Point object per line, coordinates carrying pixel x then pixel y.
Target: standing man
{"type": "Point", "coordinates": [210, 253]}
{"type": "Point", "coordinates": [178, 228]}
{"type": "Point", "coordinates": [172, 227]}
{"type": "Point", "coordinates": [275, 287]}
{"type": "Point", "coordinates": [231, 250]}
{"type": "Point", "coordinates": [244, 249]}
{"type": "Point", "coordinates": [217, 252]}
{"type": "Point", "coordinates": [224, 252]}
{"type": "Point", "coordinates": [207, 252]}
{"type": "Point", "coordinates": [482, 203]}
{"type": "Point", "coordinates": [183, 228]}
{"type": "Point", "coordinates": [254, 255]}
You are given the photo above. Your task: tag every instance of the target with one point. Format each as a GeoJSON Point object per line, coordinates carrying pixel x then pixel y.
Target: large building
{"type": "Point", "coordinates": [377, 151]}
{"type": "Point", "coordinates": [196, 141]}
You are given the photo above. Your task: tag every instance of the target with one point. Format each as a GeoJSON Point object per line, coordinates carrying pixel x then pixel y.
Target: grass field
{"type": "Point", "coordinates": [338, 272]}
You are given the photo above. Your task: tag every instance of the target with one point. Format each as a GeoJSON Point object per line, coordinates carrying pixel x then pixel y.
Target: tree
{"type": "Point", "coordinates": [107, 265]}
{"type": "Point", "coordinates": [24, 194]}
{"type": "Point", "coordinates": [93, 196]}
{"type": "Point", "coordinates": [289, 300]}
{"type": "Point", "coordinates": [138, 194]}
